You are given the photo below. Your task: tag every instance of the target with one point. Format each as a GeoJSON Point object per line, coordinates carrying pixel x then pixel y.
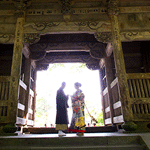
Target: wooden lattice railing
{"type": "Point", "coordinates": [139, 90]}
{"type": "Point", "coordinates": [5, 82]}
{"type": "Point", "coordinates": [4, 96]}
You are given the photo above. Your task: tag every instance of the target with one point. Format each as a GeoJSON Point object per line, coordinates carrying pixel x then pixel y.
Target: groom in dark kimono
{"type": "Point", "coordinates": [61, 107]}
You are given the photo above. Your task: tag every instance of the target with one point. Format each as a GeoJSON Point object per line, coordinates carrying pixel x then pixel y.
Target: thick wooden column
{"type": "Point", "coordinates": [34, 101]}
{"type": "Point", "coordinates": [27, 82]}
{"type": "Point", "coordinates": [16, 69]}
{"type": "Point", "coordinates": [119, 62]}
{"type": "Point", "coordinates": [109, 79]}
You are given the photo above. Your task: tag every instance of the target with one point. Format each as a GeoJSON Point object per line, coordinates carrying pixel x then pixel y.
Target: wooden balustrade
{"type": "Point", "coordinates": [139, 89]}
{"type": "Point", "coordinates": [4, 96]}
{"type": "Point", "coordinates": [4, 101]}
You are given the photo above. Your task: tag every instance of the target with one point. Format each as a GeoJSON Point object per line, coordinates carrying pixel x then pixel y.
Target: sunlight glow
{"type": "Point", "coordinates": [48, 82]}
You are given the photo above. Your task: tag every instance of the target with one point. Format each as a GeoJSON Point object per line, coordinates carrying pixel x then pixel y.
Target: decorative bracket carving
{"type": "Point", "coordinates": [31, 38]}
{"type": "Point", "coordinates": [104, 37]}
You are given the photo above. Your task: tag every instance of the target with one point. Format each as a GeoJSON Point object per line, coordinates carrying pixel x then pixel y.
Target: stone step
{"type": "Point", "coordinates": [71, 141]}
{"type": "Point", "coordinates": [120, 147]}
{"type": "Point", "coordinates": [102, 143]}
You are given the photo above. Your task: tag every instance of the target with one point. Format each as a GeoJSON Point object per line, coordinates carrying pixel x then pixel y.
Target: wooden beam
{"type": "Point", "coordinates": [138, 75]}
{"type": "Point", "coordinates": [140, 100]}
{"type": "Point", "coordinates": [141, 117]}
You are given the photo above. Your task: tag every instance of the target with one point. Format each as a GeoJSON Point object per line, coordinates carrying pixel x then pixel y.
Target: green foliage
{"type": "Point", "coordinates": [55, 65]}
{"type": "Point", "coordinates": [78, 68]}
{"type": "Point", "coordinates": [97, 115]}
{"type": "Point", "coordinates": [42, 111]}
{"type": "Point", "coordinates": [100, 119]}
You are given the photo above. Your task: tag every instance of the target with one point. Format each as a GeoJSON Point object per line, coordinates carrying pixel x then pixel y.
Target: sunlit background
{"type": "Point", "coordinates": [49, 81]}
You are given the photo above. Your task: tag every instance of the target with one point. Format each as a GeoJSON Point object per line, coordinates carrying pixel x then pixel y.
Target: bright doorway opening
{"type": "Point", "coordinates": [49, 81]}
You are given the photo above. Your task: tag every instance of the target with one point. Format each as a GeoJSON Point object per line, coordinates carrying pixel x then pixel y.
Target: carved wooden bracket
{"type": "Point", "coordinates": [104, 37]}
{"type": "Point", "coordinates": [31, 38]}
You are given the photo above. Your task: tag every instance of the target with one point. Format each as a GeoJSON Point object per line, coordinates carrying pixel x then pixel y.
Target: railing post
{"type": "Point", "coordinates": [119, 62]}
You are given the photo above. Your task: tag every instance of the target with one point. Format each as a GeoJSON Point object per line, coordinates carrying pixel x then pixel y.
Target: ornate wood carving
{"type": "Point", "coordinates": [95, 25]}
{"type": "Point", "coordinates": [6, 38]}
{"type": "Point", "coordinates": [135, 35]}
{"type": "Point", "coordinates": [41, 26]}
{"type": "Point", "coordinates": [31, 38]}
{"type": "Point", "coordinates": [104, 37]}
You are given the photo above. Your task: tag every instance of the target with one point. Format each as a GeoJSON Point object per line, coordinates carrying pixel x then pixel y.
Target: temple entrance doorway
{"type": "Point", "coordinates": [49, 81]}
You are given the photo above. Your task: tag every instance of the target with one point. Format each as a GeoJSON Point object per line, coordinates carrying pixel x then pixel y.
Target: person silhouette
{"type": "Point", "coordinates": [61, 108]}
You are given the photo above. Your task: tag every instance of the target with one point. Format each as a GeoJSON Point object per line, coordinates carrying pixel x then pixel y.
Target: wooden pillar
{"type": "Point", "coordinates": [16, 69]}
{"type": "Point", "coordinates": [27, 82]}
{"type": "Point", "coordinates": [109, 79]}
{"type": "Point", "coordinates": [103, 103]}
{"type": "Point", "coordinates": [119, 62]}
{"type": "Point", "coordinates": [34, 101]}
